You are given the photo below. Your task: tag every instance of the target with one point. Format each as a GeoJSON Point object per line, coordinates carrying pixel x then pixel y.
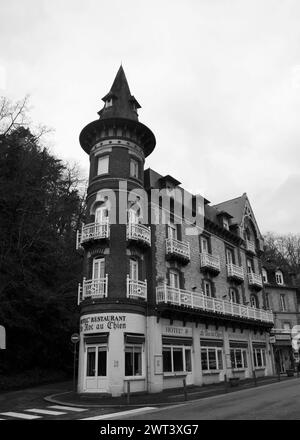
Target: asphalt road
{"type": "Point", "coordinates": [278, 401]}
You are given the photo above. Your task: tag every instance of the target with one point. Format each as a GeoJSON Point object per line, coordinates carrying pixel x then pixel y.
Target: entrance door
{"type": "Point", "coordinates": [188, 365]}
{"type": "Point", "coordinates": [96, 368]}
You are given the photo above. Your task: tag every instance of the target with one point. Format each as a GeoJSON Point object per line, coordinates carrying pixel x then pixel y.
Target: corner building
{"type": "Point", "coordinates": [162, 301]}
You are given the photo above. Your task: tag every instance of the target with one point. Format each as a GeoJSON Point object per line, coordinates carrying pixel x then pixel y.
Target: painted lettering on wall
{"type": "Point", "coordinates": [96, 323]}
{"type": "Point", "coordinates": [176, 331]}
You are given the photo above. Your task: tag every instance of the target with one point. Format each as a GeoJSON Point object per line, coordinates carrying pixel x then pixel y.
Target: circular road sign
{"type": "Point", "coordinates": [75, 338]}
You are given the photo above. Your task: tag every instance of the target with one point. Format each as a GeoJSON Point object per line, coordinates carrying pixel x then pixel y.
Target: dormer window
{"type": "Point", "coordinates": [279, 277]}
{"type": "Point", "coordinates": [108, 102]}
{"type": "Point", "coordinates": [225, 223]}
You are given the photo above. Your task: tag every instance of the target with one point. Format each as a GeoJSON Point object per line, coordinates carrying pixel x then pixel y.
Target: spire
{"type": "Point", "coordinates": [119, 103]}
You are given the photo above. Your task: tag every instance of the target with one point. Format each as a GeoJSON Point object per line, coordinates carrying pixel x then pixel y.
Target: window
{"type": "Point", "coordinates": [103, 165]}
{"type": "Point", "coordinates": [207, 288]}
{"type": "Point", "coordinates": [238, 358]}
{"type": "Point", "coordinates": [286, 326]}
{"type": "Point", "coordinates": [133, 269]}
{"type": "Point", "coordinates": [133, 360]}
{"type": "Point", "coordinates": [172, 231]}
{"type": "Point", "coordinates": [204, 245]}
{"type": "Point", "coordinates": [267, 301]}
{"type": "Point", "coordinates": [108, 103]}
{"type": "Point", "coordinates": [101, 214]}
{"type": "Point", "coordinates": [177, 358]}
{"type": "Point", "coordinates": [174, 279]}
{"type": "Point", "coordinates": [229, 256]}
{"type": "Point", "coordinates": [234, 295]}
{"type": "Point", "coordinates": [259, 357]}
{"type": "Point", "coordinates": [282, 303]}
{"type": "Point", "coordinates": [253, 301]}
{"type": "Point", "coordinates": [211, 358]}
{"type": "Point", "coordinates": [250, 266]}
{"type": "Point", "coordinates": [264, 275]}
{"type": "Point", "coordinates": [98, 268]}
{"type": "Point", "coordinates": [225, 223]}
{"type": "Point", "coordinates": [134, 168]}
{"type": "Point", "coordinates": [96, 361]}
{"type": "Point", "coordinates": [279, 277]}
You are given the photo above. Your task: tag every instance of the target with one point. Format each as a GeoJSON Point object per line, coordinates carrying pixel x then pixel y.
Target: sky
{"type": "Point", "coordinates": [218, 82]}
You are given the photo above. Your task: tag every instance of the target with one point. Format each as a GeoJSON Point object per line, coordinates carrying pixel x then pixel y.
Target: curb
{"type": "Point", "coordinates": [53, 399]}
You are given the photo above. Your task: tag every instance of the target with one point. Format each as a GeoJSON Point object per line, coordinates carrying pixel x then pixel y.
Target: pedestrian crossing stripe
{"type": "Point", "coordinates": [67, 408]}
{"type": "Point", "coordinates": [45, 412]}
{"type": "Point", "coordinates": [20, 415]}
{"type": "Point", "coordinates": [120, 414]}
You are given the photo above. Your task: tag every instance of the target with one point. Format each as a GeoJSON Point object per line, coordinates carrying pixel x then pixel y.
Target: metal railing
{"type": "Point", "coordinates": [177, 247]}
{"type": "Point", "coordinates": [250, 246]}
{"type": "Point", "coordinates": [255, 279]}
{"type": "Point", "coordinates": [235, 271]}
{"type": "Point", "coordinates": [210, 261]}
{"type": "Point", "coordinates": [92, 231]}
{"type": "Point", "coordinates": [172, 295]}
{"type": "Point", "coordinates": [136, 289]}
{"type": "Point", "coordinates": [139, 232]}
{"type": "Point", "coordinates": [94, 288]}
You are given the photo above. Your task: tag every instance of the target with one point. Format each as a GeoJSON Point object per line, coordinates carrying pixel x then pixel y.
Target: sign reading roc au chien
{"type": "Point", "coordinates": [102, 322]}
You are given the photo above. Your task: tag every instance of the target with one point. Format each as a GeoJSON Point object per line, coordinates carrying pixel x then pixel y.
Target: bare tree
{"type": "Point", "coordinates": [284, 250]}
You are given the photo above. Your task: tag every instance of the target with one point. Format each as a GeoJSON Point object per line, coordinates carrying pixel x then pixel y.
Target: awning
{"type": "Point", "coordinates": [211, 342]}
{"type": "Point", "coordinates": [134, 338]}
{"type": "Point", "coordinates": [99, 338]}
{"type": "Point", "coordinates": [259, 344]}
{"type": "Point", "coordinates": [241, 344]}
{"type": "Point", "coordinates": [177, 341]}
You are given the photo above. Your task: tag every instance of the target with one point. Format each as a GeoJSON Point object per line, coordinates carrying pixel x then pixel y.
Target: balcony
{"type": "Point", "coordinates": [209, 262]}
{"type": "Point", "coordinates": [170, 295]}
{"type": "Point", "coordinates": [94, 289]}
{"type": "Point", "coordinates": [250, 246]}
{"type": "Point", "coordinates": [92, 231]}
{"type": "Point", "coordinates": [140, 233]}
{"type": "Point", "coordinates": [178, 249]}
{"type": "Point", "coordinates": [235, 272]}
{"type": "Point", "coordinates": [281, 334]}
{"type": "Point", "coordinates": [255, 280]}
{"type": "Point", "coordinates": [136, 289]}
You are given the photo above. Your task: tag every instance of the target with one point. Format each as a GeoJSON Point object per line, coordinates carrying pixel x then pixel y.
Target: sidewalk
{"type": "Point", "coordinates": [166, 397]}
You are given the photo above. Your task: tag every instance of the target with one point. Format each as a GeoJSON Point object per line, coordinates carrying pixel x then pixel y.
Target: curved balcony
{"type": "Point", "coordinates": [255, 280]}
{"type": "Point", "coordinates": [139, 233]}
{"type": "Point", "coordinates": [235, 272]}
{"type": "Point", "coordinates": [92, 231]}
{"type": "Point", "coordinates": [210, 263]}
{"type": "Point", "coordinates": [94, 289]}
{"type": "Point", "coordinates": [178, 249]}
{"type": "Point", "coordinates": [185, 298]}
{"type": "Point", "coordinates": [136, 289]}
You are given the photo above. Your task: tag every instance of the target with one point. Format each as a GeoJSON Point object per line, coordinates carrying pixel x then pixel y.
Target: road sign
{"type": "Point", "coordinates": [75, 338]}
{"type": "Point", "coordinates": [272, 339]}
{"type": "Point", "coordinates": [2, 338]}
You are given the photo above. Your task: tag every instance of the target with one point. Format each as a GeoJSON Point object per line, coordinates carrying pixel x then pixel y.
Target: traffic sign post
{"type": "Point", "coordinates": [75, 339]}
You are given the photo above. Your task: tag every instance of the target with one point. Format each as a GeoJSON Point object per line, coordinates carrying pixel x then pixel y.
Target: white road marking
{"type": "Point", "coordinates": [20, 415]}
{"type": "Point", "coordinates": [46, 412]}
{"type": "Point", "coordinates": [120, 414]}
{"type": "Point", "coordinates": [68, 408]}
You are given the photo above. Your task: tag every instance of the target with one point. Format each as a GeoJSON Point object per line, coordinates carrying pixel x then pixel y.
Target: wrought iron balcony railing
{"type": "Point", "coordinates": [194, 300]}
{"type": "Point", "coordinates": [92, 231]}
{"type": "Point", "coordinates": [136, 289]}
{"type": "Point", "coordinates": [139, 232]}
{"type": "Point", "coordinates": [178, 248]}
{"type": "Point", "coordinates": [94, 289]}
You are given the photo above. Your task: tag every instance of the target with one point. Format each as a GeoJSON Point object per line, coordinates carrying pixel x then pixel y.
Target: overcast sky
{"type": "Point", "coordinates": [218, 82]}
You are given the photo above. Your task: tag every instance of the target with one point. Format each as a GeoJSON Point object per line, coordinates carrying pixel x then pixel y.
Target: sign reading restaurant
{"type": "Point", "coordinates": [100, 322]}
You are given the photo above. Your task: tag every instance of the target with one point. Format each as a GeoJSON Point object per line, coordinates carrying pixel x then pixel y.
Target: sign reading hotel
{"type": "Point", "coordinates": [101, 322]}
{"type": "Point", "coordinates": [171, 330]}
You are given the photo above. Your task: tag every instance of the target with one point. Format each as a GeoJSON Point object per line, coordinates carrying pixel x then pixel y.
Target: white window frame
{"type": "Point", "coordinates": [174, 275]}
{"type": "Point", "coordinates": [184, 348]}
{"type": "Point", "coordinates": [244, 357]}
{"type": "Point", "coordinates": [100, 214]}
{"type": "Point", "coordinates": [233, 295]}
{"type": "Point", "coordinates": [225, 223]}
{"type": "Point", "coordinates": [216, 349]}
{"type": "Point", "coordinates": [264, 275]}
{"type": "Point", "coordinates": [133, 269]}
{"type": "Point", "coordinates": [229, 256]}
{"type": "Point", "coordinates": [252, 296]}
{"type": "Point", "coordinates": [208, 284]}
{"type": "Point", "coordinates": [140, 347]}
{"type": "Point", "coordinates": [96, 347]}
{"type": "Point", "coordinates": [262, 356]}
{"type": "Point", "coordinates": [101, 262]}
{"type": "Point", "coordinates": [279, 277]}
{"type": "Point", "coordinates": [103, 165]}
{"type": "Point", "coordinates": [172, 231]}
{"type": "Point", "coordinates": [108, 103]}
{"type": "Point", "coordinates": [204, 245]}
{"type": "Point", "coordinates": [282, 302]}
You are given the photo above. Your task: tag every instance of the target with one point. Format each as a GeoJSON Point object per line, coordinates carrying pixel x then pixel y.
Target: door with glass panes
{"type": "Point", "coordinates": [96, 368]}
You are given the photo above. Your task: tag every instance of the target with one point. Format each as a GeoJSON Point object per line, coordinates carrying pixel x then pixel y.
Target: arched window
{"type": "Point", "coordinates": [264, 275]}
{"type": "Point", "coordinates": [234, 295]}
{"type": "Point", "coordinates": [279, 277]}
{"type": "Point", "coordinates": [253, 301]}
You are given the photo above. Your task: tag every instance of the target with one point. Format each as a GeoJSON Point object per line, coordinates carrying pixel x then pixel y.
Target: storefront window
{"type": "Point", "coordinates": [91, 361]}
{"type": "Point", "coordinates": [102, 356]}
{"type": "Point", "coordinates": [177, 359]}
{"type": "Point", "coordinates": [238, 358]}
{"type": "Point", "coordinates": [96, 361]}
{"type": "Point", "coordinates": [133, 360]}
{"type": "Point", "coordinates": [211, 358]}
{"type": "Point", "coordinates": [259, 357]}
